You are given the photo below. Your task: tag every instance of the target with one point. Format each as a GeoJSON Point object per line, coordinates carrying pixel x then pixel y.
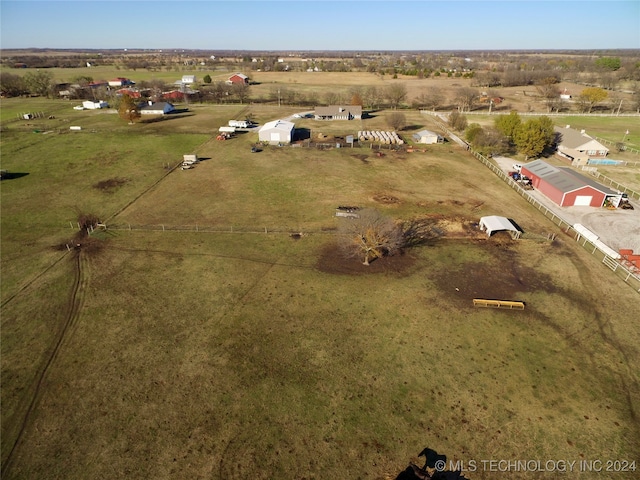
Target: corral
{"type": "Point", "coordinates": [277, 347]}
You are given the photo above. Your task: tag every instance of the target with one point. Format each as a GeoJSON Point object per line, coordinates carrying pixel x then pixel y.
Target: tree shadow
{"type": "Point", "coordinates": [12, 175]}
{"type": "Point", "coordinates": [421, 232]}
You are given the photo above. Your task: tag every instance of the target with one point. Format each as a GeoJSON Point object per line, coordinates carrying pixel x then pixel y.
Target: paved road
{"type": "Point", "coordinates": [616, 228]}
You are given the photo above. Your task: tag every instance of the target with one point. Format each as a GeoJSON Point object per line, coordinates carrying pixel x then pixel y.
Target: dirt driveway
{"type": "Point", "coordinates": [616, 228]}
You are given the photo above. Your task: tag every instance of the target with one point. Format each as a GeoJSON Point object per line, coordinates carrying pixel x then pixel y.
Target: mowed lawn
{"type": "Point", "coordinates": [232, 355]}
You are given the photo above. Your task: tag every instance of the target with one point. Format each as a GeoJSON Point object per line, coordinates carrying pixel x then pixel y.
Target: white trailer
{"type": "Point", "coordinates": [239, 123]}
{"type": "Point", "coordinates": [227, 129]}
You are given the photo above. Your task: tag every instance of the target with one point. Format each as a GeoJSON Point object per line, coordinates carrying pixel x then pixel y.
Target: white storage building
{"type": "Point", "coordinates": [277, 131]}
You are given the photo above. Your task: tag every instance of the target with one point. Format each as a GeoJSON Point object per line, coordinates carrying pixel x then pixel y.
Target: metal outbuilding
{"type": "Point", "coordinates": [428, 137]}
{"type": "Point", "coordinates": [566, 187]}
{"type": "Point", "coordinates": [277, 131]}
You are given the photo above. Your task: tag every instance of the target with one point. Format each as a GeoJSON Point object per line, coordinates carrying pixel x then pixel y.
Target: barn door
{"type": "Point", "coordinates": [583, 200]}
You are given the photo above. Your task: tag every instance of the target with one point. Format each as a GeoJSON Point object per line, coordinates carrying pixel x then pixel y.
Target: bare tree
{"type": "Point", "coordinates": [241, 91]}
{"type": "Point", "coordinates": [395, 93]}
{"type": "Point", "coordinates": [371, 97]}
{"type": "Point", "coordinates": [465, 98]}
{"type": "Point", "coordinates": [430, 98]}
{"type": "Point", "coordinates": [370, 236]}
{"type": "Point", "coordinates": [550, 93]}
{"type": "Point", "coordinates": [396, 120]}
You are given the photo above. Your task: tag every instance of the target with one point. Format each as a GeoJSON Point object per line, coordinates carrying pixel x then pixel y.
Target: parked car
{"type": "Point", "coordinates": [517, 167]}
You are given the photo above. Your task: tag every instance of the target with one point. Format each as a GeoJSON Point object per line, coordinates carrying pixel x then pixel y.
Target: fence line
{"type": "Point", "coordinates": [624, 148]}
{"type": "Point", "coordinates": [620, 187]}
{"type": "Point", "coordinates": [630, 278]}
{"type": "Point", "coordinates": [535, 114]}
{"type": "Point", "coordinates": [199, 228]}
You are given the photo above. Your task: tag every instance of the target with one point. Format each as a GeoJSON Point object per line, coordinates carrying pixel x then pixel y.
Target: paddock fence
{"type": "Point", "coordinates": [630, 277]}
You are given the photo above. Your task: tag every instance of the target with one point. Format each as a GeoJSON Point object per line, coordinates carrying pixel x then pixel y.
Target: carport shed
{"type": "Point", "coordinates": [494, 223]}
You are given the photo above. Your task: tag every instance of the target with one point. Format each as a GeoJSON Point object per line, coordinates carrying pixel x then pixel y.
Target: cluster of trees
{"type": "Point", "coordinates": [32, 83]}
{"type": "Point", "coordinates": [509, 133]}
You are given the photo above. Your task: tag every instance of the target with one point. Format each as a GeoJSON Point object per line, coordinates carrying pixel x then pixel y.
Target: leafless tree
{"type": "Point", "coordinates": [371, 97]}
{"type": "Point", "coordinates": [465, 98]}
{"type": "Point", "coordinates": [550, 94]}
{"type": "Point", "coordinates": [396, 120]}
{"type": "Point", "coordinates": [395, 93]}
{"type": "Point", "coordinates": [430, 98]}
{"type": "Point", "coordinates": [370, 236]}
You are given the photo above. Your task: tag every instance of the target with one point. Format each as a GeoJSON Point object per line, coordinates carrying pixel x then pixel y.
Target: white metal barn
{"type": "Point", "coordinates": [494, 223]}
{"type": "Point", "coordinates": [428, 137]}
{"type": "Point", "coordinates": [277, 131]}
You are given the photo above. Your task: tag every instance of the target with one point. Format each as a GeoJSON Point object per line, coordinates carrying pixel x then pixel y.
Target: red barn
{"type": "Point", "coordinates": [566, 187]}
{"type": "Point", "coordinates": [238, 78]}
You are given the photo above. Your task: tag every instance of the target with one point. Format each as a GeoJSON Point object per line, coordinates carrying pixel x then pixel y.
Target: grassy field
{"type": "Point", "coordinates": [184, 354]}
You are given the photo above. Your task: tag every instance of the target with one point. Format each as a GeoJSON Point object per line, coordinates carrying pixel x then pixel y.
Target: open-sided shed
{"type": "Point", "coordinates": [494, 223]}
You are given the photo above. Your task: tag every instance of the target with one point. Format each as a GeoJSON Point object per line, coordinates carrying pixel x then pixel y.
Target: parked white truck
{"type": "Point", "coordinates": [239, 123]}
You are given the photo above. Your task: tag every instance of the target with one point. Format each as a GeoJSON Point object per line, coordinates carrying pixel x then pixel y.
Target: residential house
{"type": "Point", "coordinates": [578, 147]}
{"type": "Point", "coordinates": [157, 108]}
{"type": "Point", "coordinates": [339, 112]}
{"type": "Point", "coordinates": [121, 82]}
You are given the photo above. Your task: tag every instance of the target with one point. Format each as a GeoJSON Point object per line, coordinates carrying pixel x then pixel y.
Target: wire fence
{"type": "Point", "coordinates": [630, 275]}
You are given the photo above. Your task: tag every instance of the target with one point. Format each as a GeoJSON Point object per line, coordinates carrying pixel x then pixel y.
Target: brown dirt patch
{"type": "Point", "coordinates": [333, 261]}
{"type": "Point", "coordinates": [110, 185]}
{"type": "Point", "coordinates": [385, 198]}
{"type": "Point", "coordinates": [504, 277]}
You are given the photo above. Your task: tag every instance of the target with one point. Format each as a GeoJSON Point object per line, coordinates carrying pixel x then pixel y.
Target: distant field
{"type": "Point", "coordinates": [322, 83]}
{"type": "Point", "coordinates": [246, 353]}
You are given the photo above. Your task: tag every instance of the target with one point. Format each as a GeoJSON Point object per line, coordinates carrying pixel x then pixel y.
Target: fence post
{"type": "Point", "coordinates": [163, 228]}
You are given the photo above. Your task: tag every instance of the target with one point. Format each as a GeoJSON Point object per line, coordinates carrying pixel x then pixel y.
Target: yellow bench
{"type": "Point", "coordinates": [479, 302]}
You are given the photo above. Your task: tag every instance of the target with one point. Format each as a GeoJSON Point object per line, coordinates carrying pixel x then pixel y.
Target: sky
{"type": "Point", "coordinates": [321, 24]}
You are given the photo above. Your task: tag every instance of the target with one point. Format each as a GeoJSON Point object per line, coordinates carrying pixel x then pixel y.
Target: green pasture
{"type": "Point", "coordinates": [229, 355]}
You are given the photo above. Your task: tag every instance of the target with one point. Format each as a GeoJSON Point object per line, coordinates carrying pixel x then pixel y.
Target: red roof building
{"type": "Point", "coordinates": [238, 78]}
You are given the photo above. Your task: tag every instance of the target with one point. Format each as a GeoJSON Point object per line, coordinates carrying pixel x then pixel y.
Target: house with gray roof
{"type": "Point", "coordinates": [339, 112]}
{"type": "Point", "coordinates": [578, 147]}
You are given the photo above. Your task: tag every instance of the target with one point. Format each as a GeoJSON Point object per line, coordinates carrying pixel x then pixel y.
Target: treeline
{"type": "Point", "coordinates": [508, 134]}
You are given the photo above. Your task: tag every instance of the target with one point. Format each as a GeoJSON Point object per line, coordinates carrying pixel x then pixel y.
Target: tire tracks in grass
{"type": "Point", "coordinates": [74, 307]}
